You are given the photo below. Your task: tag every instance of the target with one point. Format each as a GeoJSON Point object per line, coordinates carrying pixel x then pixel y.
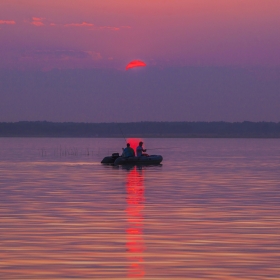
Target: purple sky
{"type": "Point", "coordinates": [206, 60]}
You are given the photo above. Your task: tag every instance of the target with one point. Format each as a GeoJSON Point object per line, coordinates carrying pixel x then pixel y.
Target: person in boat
{"type": "Point", "coordinates": [140, 150]}
{"type": "Point", "coordinates": [128, 151]}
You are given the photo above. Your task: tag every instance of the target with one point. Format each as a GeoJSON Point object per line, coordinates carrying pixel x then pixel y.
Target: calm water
{"type": "Point", "coordinates": [210, 211]}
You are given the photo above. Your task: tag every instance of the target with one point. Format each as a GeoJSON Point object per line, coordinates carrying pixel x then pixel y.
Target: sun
{"type": "Point", "coordinates": [135, 63]}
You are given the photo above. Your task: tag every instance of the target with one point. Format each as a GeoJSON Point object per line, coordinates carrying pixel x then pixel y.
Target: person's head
{"type": "Point", "coordinates": [127, 145]}
{"type": "Point", "coordinates": [141, 143]}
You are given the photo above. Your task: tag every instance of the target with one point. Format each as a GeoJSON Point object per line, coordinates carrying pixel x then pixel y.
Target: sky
{"type": "Point", "coordinates": [65, 60]}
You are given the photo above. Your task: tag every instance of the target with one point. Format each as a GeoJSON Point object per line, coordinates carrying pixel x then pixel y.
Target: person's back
{"type": "Point", "coordinates": [128, 151]}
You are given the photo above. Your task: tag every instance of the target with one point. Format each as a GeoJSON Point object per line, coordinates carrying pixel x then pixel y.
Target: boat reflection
{"type": "Point", "coordinates": [135, 206]}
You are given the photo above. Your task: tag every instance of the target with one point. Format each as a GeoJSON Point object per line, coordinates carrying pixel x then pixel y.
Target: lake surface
{"type": "Point", "coordinates": [210, 211]}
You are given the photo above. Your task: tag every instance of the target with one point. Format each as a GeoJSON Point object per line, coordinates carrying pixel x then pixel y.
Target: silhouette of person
{"type": "Point", "coordinates": [140, 150]}
{"type": "Point", "coordinates": [128, 151]}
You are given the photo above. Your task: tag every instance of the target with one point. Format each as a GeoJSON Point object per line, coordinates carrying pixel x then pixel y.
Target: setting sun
{"type": "Point", "coordinates": [135, 63]}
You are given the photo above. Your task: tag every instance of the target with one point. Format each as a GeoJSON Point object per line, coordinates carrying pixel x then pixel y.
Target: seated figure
{"type": "Point", "coordinates": [140, 150]}
{"type": "Point", "coordinates": [128, 151]}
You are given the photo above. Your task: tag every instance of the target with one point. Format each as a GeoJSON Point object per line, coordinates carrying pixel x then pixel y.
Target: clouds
{"type": "Point", "coordinates": [38, 22]}
{"type": "Point", "coordinates": [95, 27]}
{"type": "Point", "coordinates": [79, 24]}
{"type": "Point", "coordinates": [66, 54]}
{"type": "Point", "coordinates": [48, 59]}
{"type": "Point", "coordinates": [59, 59]}
{"type": "Point", "coordinates": [42, 43]}
{"type": "Point", "coordinates": [7, 22]}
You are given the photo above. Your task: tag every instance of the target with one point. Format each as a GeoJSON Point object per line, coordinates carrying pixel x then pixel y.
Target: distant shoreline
{"type": "Point", "coordinates": [40, 129]}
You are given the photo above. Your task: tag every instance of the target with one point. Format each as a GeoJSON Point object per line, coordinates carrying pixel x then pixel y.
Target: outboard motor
{"type": "Point", "coordinates": [115, 155]}
{"type": "Point", "coordinates": [110, 159]}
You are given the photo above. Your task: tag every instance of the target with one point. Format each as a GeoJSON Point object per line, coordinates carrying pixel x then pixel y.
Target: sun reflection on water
{"type": "Point", "coordinates": [135, 205]}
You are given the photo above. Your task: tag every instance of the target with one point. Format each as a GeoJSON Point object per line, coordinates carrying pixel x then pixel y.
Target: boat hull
{"type": "Point", "coordinates": [144, 160]}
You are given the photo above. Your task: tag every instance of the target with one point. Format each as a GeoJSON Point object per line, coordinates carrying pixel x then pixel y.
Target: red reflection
{"type": "Point", "coordinates": [135, 205]}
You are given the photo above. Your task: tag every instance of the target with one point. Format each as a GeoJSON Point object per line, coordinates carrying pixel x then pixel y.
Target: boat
{"type": "Point", "coordinates": [145, 159]}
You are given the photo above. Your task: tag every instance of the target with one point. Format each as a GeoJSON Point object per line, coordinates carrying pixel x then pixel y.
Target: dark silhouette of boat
{"type": "Point", "coordinates": [116, 159]}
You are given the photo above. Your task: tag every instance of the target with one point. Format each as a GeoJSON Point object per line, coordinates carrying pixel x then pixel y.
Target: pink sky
{"type": "Point", "coordinates": [206, 60]}
{"type": "Point", "coordinates": [49, 34]}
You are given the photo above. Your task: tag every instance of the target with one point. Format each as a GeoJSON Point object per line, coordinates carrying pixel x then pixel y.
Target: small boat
{"type": "Point", "coordinates": [116, 159]}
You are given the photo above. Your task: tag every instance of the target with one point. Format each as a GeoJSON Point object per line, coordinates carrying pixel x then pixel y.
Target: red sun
{"type": "Point", "coordinates": [135, 63]}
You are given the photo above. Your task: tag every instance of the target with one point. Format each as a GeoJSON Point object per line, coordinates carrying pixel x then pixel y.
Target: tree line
{"type": "Point", "coordinates": [244, 129]}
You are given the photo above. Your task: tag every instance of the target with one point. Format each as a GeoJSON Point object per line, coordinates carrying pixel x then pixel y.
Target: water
{"type": "Point", "coordinates": [210, 211]}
